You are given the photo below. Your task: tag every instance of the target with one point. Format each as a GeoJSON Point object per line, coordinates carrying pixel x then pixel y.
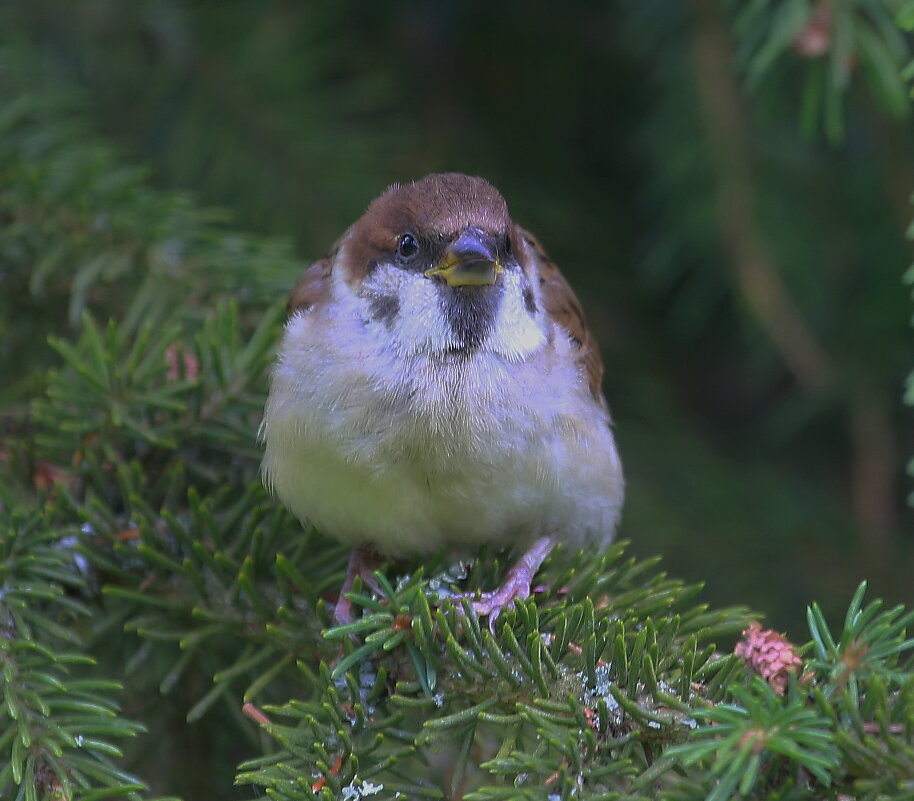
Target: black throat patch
{"type": "Point", "coordinates": [471, 312]}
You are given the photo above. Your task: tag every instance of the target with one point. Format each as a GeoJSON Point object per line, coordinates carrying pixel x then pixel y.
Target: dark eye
{"type": "Point", "coordinates": [507, 245]}
{"type": "Point", "coordinates": [407, 246]}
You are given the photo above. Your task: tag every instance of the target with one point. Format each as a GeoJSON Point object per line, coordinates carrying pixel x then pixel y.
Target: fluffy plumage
{"type": "Point", "coordinates": [411, 410]}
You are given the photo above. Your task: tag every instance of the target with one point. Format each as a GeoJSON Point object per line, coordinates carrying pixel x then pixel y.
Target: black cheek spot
{"type": "Point", "coordinates": [384, 308]}
{"type": "Point", "coordinates": [529, 300]}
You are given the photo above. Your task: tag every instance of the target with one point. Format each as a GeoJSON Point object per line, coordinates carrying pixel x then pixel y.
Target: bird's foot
{"type": "Point", "coordinates": [361, 565]}
{"type": "Point", "coordinates": [516, 584]}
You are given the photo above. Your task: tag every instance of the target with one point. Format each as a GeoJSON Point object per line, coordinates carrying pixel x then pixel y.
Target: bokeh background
{"type": "Point", "coordinates": [733, 220]}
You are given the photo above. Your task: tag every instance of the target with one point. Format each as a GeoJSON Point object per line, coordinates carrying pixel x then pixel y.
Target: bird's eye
{"type": "Point", "coordinates": [407, 246]}
{"type": "Point", "coordinates": [507, 245]}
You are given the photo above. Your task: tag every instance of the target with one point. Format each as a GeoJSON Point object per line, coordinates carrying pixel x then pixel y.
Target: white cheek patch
{"type": "Point", "coordinates": [419, 326]}
{"type": "Point", "coordinates": [516, 334]}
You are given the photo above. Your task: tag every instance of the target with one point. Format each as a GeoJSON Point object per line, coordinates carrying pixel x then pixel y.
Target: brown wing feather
{"type": "Point", "coordinates": [313, 287]}
{"type": "Point", "coordinates": [563, 306]}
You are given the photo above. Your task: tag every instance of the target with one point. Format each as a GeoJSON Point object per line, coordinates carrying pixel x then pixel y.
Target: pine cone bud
{"type": "Point", "coordinates": [769, 654]}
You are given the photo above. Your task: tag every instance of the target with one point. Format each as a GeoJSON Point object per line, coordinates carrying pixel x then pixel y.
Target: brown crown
{"type": "Point", "coordinates": [439, 204]}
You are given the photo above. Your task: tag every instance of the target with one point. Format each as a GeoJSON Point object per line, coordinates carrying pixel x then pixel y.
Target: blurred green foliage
{"type": "Point", "coordinates": [726, 189]}
{"type": "Point", "coordinates": [619, 134]}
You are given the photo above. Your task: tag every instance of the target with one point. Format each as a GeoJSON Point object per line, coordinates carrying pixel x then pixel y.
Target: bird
{"type": "Point", "coordinates": [436, 387]}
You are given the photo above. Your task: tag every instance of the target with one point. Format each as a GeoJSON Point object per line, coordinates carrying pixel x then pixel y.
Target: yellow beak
{"type": "Point", "coordinates": [468, 261]}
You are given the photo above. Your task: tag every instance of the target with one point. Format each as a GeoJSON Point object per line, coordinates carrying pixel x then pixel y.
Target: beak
{"type": "Point", "coordinates": [468, 261]}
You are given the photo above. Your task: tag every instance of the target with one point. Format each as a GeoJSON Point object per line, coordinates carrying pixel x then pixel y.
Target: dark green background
{"type": "Point", "coordinates": [591, 119]}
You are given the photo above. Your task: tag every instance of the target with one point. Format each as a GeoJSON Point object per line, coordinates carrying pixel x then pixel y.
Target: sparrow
{"type": "Point", "coordinates": [436, 387]}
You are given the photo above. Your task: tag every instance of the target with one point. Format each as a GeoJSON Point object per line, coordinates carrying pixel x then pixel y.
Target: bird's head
{"type": "Point", "coordinates": [437, 262]}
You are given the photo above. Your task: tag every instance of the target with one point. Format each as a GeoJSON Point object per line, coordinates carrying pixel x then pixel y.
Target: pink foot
{"type": "Point", "coordinates": [516, 584]}
{"type": "Point", "coordinates": [361, 564]}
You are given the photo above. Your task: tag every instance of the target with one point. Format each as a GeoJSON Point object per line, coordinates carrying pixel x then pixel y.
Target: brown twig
{"type": "Point", "coordinates": [756, 273]}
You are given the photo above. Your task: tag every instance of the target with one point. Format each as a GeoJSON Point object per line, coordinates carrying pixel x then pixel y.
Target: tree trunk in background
{"type": "Point", "coordinates": [755, 273]}
{"type": "Point", "coordinates": [758, 280]}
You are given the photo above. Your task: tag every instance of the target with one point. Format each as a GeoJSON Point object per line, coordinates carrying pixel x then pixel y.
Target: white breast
{"type": "Point", "coordinates": [376, 442]}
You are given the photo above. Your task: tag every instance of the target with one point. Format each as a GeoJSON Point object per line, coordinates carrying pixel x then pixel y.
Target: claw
{"type": "Point", "coordinates": [516, 584]}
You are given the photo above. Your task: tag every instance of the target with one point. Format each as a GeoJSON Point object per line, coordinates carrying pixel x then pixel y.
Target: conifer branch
{"type": "Point", "coordinates": [60, 720]}
{"type": "Point", "coordinates": [610, 683]}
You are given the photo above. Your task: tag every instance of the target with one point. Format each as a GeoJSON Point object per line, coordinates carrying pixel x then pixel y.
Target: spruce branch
{"type": "Point", "coordinates": [120, 397]}
{"type": "Point", "coordinates": [607, 684]}
{"type": "Point", "coordinates": [846, 720]}
{"type": "Point", "coordinates": [750, 741]}
{"type": "Point", "coordinates": [837, 42]}
{"type": "Point", "coordinates": [60, 722]}
{"type": "Point", "coordinates": [102, 229]}
{"type": "Point", "coordinates": [569, 695]}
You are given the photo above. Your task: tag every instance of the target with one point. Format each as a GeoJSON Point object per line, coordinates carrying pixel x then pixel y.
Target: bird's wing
{"type": "Point", "coordinates": [313, 288]}
{"type": "Point", "coordinates": [563, 306]}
